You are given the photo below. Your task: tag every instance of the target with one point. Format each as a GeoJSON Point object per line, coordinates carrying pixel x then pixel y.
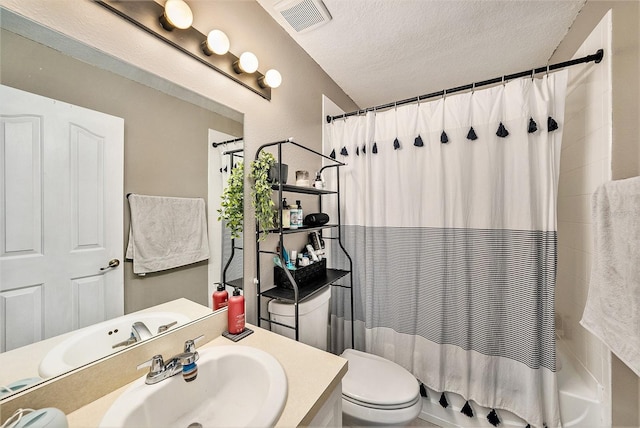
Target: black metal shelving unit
{"type": "Point", "coordinates": [298, 295]}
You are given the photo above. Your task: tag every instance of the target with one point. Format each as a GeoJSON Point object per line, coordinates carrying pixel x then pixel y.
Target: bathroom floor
{"type": "Point", "coordinates": [420, 423]}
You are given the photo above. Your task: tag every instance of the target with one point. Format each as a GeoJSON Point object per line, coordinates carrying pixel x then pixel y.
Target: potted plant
{"type": "Point", "coordinates": [232, 205]}
{"type": "Point", "coordinates": [262, 191]}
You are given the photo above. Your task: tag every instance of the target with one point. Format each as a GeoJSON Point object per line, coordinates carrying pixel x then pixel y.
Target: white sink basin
{"type": "Point", "coordinates": [94, 342]}
{"type": "Point", "coordinates": [237, 386]}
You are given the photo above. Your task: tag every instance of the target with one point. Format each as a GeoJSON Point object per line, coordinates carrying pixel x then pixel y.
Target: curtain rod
{"type": "Point", "coordinates": [235, 140]}
{"type": "Point", "coordinates": [234, 151]}
{"type": "Point", "coordinates": [597, 57]}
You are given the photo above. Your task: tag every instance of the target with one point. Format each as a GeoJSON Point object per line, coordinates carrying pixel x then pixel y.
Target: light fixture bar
{"type": "Point", "coordinates": [146, 14]}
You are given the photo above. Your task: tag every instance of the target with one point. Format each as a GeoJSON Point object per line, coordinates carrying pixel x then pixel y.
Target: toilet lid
{"type": "Point", "coordinates": [376, 381]}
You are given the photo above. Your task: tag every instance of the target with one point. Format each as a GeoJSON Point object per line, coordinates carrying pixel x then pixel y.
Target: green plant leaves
{"type": "Point", "coordinates": [232, 205]}
{"type": "Point", "coordinates": [261, 192]}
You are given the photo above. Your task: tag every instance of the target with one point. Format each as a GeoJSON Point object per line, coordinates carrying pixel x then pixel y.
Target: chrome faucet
{"type": "Point", "coordinates": [184, 363]}
{"type": "Point", "coordinates": [139, 331]}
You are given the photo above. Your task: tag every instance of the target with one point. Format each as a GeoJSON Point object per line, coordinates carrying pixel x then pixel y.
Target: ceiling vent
{"type": "Point", "coordinates": [303, 15]}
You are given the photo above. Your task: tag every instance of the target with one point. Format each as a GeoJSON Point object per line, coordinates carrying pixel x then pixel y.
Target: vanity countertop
{"type": "Point", "coordinates": [311, 375]}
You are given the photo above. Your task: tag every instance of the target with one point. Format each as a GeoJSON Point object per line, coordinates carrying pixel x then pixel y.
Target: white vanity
{"type": "Point", "coordinates": [313, 396]}
{"type": "Point", "coordinates": [313, 381]}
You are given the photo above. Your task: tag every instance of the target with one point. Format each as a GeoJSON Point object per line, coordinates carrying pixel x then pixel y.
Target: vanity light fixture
{"type": "Point", "coordinates": [247, 63]}
{"type": "Point", "coordinates": [177, 14]}
{"type": "Point", "coordinates": [272, 79]}
{"type": "Point", "coordinates": [216, 42]}
{"type": "Point", "coordinates": [160, 21]}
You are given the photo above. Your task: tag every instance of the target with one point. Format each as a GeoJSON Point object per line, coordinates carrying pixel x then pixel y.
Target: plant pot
{"type": "Point", "coordinates": [281, 178]}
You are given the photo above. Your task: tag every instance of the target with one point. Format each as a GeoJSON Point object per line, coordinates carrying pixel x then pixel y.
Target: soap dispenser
{"type": "Point", "coordinates": [220, 297]}
{"type": "Point", "coordinates": [235, 313]}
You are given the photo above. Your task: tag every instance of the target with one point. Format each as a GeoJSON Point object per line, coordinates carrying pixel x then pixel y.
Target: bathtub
{"type": "Point", "coordinates": [579, 406]}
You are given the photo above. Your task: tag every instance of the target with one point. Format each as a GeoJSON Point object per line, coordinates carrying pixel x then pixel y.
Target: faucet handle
{"type": "Point", "coordinates": [166, 327]}
{"type": "Point", "coordinates": [156, 363]}
{"type": "Point", "coordinates": [190, 345]}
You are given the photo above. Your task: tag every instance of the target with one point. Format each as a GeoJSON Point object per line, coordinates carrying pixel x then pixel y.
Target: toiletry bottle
{"type": "Point", "coordinates": [318, 184]}
{"type": "Point", "coordinates": [235, 313]}
{"type": "Point", "coordinates": [312, 253]}
{"type": "Point", "coordinates": [293, 217]}
{"type": "Point", "coordinates": [300, 216]}
{"type": "Point", "coordinates": [286, 214]}
{"type": "Point", "coordinates": [220, 297]}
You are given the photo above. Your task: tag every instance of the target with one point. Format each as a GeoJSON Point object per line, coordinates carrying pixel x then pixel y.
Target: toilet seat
{"type": "Point", "coordinates": [397, 406]}
{"type": "Point", "coordinates": [357, 415]}
{"type": "Point", "coordinates": [375, 382]}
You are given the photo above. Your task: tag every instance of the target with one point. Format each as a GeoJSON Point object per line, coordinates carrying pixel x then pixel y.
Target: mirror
{"type": "Point", "coordinates": [168, 132]}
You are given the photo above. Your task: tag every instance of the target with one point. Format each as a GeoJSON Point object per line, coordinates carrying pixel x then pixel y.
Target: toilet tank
{"type": "Point", "coordinates": [313, 317]}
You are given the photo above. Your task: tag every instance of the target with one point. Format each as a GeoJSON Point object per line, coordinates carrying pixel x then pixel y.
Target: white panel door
{"type": "Point", "coordinates": [61, 207]}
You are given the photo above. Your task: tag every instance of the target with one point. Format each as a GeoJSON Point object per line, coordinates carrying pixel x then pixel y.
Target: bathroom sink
{"type": "Point", "coordinates": [236, 386]}
{"type": "Point", "coordinates": [94, 342]}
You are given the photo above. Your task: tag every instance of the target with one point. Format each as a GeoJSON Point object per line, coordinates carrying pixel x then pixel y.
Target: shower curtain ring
{"type": "Point", "coordinates": [503, 80]}
{"type": "Point", "coordinates": [473, 87]}
{"type": "Point", "coordinates": [547, 70]}
{"type": "Point", "coordinates": [444, 94]}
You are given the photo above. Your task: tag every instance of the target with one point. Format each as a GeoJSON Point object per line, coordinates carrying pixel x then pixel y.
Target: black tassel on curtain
{"type": "Point", "coordinates": [443, 401]}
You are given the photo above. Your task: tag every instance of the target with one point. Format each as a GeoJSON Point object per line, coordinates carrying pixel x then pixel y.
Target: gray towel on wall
{"type": "Point", "coordinates": [166, 232]}
{"type": "Point", "coordinates": [612, 312]}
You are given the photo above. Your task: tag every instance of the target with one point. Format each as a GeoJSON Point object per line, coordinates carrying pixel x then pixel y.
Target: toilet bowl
{"type": "Point", "coordinates": [378, 392]}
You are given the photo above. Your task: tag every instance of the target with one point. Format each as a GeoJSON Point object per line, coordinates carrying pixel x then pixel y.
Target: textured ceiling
{"type": "Point", "coordinates": [380, 51]}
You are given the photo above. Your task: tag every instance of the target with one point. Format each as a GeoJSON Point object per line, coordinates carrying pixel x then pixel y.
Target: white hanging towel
{"type": "Point", "coordinates": [612, 312]}
{"type": "Point", "coordinates": [166, 232]}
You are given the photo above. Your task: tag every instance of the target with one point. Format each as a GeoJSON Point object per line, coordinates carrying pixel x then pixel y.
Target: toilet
{"type": "Point", "coordinates": [313, 319]}
{"type": "Point", "coordinates": [375, 391]}
{"type": "Point", "coordinates": [378, 392]}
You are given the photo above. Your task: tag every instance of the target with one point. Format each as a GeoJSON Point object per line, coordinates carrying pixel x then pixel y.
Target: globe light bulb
{"type": "Point", "coordinates": [217, 43]}
{"type": "Point", "coordinates": [177, 14]}
{"type": "Point", "coordinates": [248, 62]}
{"type": "Point", "coordinates": [272, 78]}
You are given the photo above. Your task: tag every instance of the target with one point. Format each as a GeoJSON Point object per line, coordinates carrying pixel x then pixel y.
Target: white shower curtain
{"type": "Point", "coordinates": [453, 240]}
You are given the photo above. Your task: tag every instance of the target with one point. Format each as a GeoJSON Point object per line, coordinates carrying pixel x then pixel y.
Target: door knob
{"type": "Point", "coordinates": [113, 263]}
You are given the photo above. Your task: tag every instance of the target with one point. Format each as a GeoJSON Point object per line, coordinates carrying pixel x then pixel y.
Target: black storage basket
{"type": "Point", "coordinates": [304, 275]}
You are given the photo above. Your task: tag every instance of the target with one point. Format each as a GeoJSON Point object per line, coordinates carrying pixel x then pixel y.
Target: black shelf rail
{"type": "Point", "coordinates": [301, 229]}
{"type": "Point", "coordinates": [296, 295]}
{"type": "Point", "coordinates": [303, 189]}
{"type": "Point", "coordinates": [309, 290]}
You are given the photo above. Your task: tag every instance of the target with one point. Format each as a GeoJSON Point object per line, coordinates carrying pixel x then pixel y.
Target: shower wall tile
{"type": "Point", "coordinates": [585, 164]}
{"type": "Point", "coordinates": [595, 355]}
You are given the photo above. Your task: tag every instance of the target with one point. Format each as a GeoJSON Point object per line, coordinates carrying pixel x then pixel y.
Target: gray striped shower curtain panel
{"type": "Point", "coordinates": [453, 239]}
